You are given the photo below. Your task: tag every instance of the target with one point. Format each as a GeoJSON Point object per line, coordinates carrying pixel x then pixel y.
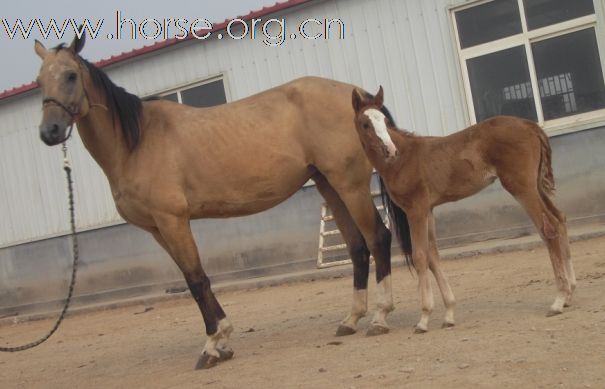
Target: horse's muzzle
{"type": "Point", "coordinates": [52, 134]}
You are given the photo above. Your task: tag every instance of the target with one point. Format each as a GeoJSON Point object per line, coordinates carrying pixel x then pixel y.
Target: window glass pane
{"type": "Point", "coordinates": [487, 22]}
{"type": "Point", "coordinates": [500, 84]}
{"type": "Point", "coordinates": [206, 95]}
{"type": "Point", "coordinates": [171, 97]}
{"type": "Point", "coordinates": [569, 74]}
{"type": "Point", "coordinates": [540, 13]}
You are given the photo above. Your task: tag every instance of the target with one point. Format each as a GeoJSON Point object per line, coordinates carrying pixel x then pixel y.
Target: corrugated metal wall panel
{"type": "Point", "coordinates": [404, 45]}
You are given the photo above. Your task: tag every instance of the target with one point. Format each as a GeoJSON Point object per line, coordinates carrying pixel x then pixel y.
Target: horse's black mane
{"type": "Point", "coordinates": [125, 105]}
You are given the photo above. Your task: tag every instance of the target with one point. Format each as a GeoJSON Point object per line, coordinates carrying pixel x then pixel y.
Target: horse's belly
{"type": "Point", "coordinates": [241, 196]}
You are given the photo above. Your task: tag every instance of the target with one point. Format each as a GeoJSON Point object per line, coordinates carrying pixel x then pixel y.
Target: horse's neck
{"type": "Point", "coordinates": [101, 135]}
{"type": "Point", "coordinates": [404, 143]}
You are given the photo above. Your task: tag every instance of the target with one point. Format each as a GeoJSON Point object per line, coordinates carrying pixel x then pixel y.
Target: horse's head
{"type": "Point", "coordinates": [63, 93]}
{"type": "Point", "coordinates": [372, 123]}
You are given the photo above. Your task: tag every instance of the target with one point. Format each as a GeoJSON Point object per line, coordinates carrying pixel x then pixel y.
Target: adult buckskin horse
{"type": "Point", "coordinates": [168, 163]}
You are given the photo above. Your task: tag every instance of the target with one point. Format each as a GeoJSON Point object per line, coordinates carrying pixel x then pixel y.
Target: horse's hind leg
{"type": "Point", "coordinates": [444, 286]}
{"type": "Point", "coordinates": [552, 233]}
{"type": "Point", "coordinates": [569, 270]}
{"type": "Point", "coordinates": [174, 234]}
{"type": "Point", "coordinates": [358, 201]}
{"type": "Point", "coordinates": [564, 240]}
{"type": "Point", "coordinates": [358, 250]}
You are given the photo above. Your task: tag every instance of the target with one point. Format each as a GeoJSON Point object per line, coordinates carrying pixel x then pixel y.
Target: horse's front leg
{"type": "Point", "coordinates": [419, 229]}
{"type": "Point", "coordinates": [174, 234]}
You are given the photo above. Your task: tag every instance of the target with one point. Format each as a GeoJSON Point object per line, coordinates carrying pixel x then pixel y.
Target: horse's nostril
{"type": "Point", "coordinates": [54, 130]}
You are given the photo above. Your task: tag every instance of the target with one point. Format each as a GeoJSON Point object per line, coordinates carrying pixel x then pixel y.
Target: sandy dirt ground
{"type": "Point", "coordinates": [284, 336]}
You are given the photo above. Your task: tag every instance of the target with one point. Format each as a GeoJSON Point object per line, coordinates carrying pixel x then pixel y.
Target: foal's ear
{"type": "Point", "coordinates": [40, 49]}
{"type": "Point", "coordinates": [357, 100]}
{"type": "Point", "coordinates": [379, 99]}
{"type": "Point", "coordinates": [78, 43]}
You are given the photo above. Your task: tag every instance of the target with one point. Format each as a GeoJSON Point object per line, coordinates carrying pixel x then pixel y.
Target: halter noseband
{"type": "Point", "coordinates": [72, 114]}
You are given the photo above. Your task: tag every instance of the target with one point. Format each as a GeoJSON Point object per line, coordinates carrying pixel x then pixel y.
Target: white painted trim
{"type": "Point", "coordinates": [468, 92]}
{"type": "Point", "coordinates": [600, 30]}
{"type": "Point", "coordinates": [465, 4]}
{"type": "Point", "coordinates": [521, 7]}
{"type": "Point", "coordinates": [493, 46]}
{"type": "Point", "coordinates": [454, 40]}
{"type": "Point", "coordinates": [527, 38]}
{"type": "Point", "coordinates": [206, 80]}
{"type": "Point", "coordinates": [580, 122]}
{"type": "Point", "coordinates": [533, 77]}
{"type": "Point", "coordinates": [562, 28]}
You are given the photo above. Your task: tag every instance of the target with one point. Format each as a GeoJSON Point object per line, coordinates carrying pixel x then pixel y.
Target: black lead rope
{"type": "Point", "coordinates": [74, 240]}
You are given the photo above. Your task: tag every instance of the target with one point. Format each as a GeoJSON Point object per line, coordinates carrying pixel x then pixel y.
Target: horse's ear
{"type": "Point", "coordinates": [357, 100]}
{"type": "Point", "coordinates": [40, 49]}
{"type": "Point", "coordinates": [78, 43]}
{"type": "Point", "coordinates": [379, 99]}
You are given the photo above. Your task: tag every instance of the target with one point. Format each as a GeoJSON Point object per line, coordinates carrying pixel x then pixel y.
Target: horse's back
{"type": "Point", "coordinates": [270, 144]}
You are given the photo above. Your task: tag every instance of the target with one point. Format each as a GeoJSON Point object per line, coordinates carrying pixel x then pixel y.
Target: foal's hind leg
{"type": "Point", "coordinates": [564, 240]}
{"type": "Point", "coordinates": [552, 233]}
{"type": "Point", "coordinates": [174, 234]}
{"type": "Point", "coordinates": [569, 270]}
{"type": "Point", "coordinates": [444, 286]}
{"type": "Point", "coordinates": [358, 250]}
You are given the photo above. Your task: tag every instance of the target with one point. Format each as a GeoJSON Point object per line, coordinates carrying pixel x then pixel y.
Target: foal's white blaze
{"type": "Point", "coordinates": [380, 128]}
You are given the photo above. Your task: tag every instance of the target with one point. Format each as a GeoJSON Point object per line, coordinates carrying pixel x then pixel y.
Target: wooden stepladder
{"type": "Point", "coordinates": [332, 248]}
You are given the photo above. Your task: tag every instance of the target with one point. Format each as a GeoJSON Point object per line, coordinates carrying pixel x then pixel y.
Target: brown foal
{"type": "Point", "coordinates": [422, 172]}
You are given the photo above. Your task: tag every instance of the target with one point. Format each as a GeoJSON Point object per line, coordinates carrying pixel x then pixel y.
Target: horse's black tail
{"type": "Point", "coordinates": [398, 218]}
{"type": "Point", "coordinates": [399, 223]}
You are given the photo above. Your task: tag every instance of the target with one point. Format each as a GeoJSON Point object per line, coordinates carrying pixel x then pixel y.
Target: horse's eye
{"type": "Point", "coordinates": [366, 126]}
{"type": "Point", "coordinates": [72, 76]}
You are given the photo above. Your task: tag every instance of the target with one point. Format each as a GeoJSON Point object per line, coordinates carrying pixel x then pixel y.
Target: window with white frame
{"type": "Point", "coordinates": [207, 94]}
{"type": "Point", "coordinates": [537, 59]}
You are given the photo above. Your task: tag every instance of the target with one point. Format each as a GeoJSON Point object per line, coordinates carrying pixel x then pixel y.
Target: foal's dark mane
{"type": "Point", "coordinates": [125, 105]}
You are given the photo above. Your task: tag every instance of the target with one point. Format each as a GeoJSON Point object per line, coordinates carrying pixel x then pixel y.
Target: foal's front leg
{"type": "Point", "coordinates": [444, 286]}
{"type": "Point", "coordinates": [174, 234]}
{"type": "Point", "coordinates": [420, 255]}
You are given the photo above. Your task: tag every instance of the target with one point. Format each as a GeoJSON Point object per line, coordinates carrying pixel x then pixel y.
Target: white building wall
{"type": "Point", "coordinates": [407, 46]}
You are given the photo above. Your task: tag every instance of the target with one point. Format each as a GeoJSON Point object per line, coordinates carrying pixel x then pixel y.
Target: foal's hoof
{"type": "Point", "coordinates": [418, 330]}
{"type": "Point", "coordinates": [375, 330]}
{"type": "Point", "coordinates": [553, 313]}
{"type": "Point", "coordinates": [345, 330]}
{"type": "Point", "coordinates": [447, 325]}
{"type": "Point", "coordinates": [207, 361]}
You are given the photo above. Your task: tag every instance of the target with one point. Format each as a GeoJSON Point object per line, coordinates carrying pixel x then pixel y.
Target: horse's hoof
{"type": "Point", "coordinates": [553, 313]}
{"type": "Point", "coordinates": [345, 330]}
{"type": "Point", "coordinates": [418, 330]}
{"type": "Point", "coordinates": [375, 330]}
{"type": "Point", "coordinates": [447, 325]}
{"type": "Point", "coordinates": [207, 361]}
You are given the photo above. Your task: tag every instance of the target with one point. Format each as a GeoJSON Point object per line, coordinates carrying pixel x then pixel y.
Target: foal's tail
{"type": "Point", "coordinates": [546, 180]}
